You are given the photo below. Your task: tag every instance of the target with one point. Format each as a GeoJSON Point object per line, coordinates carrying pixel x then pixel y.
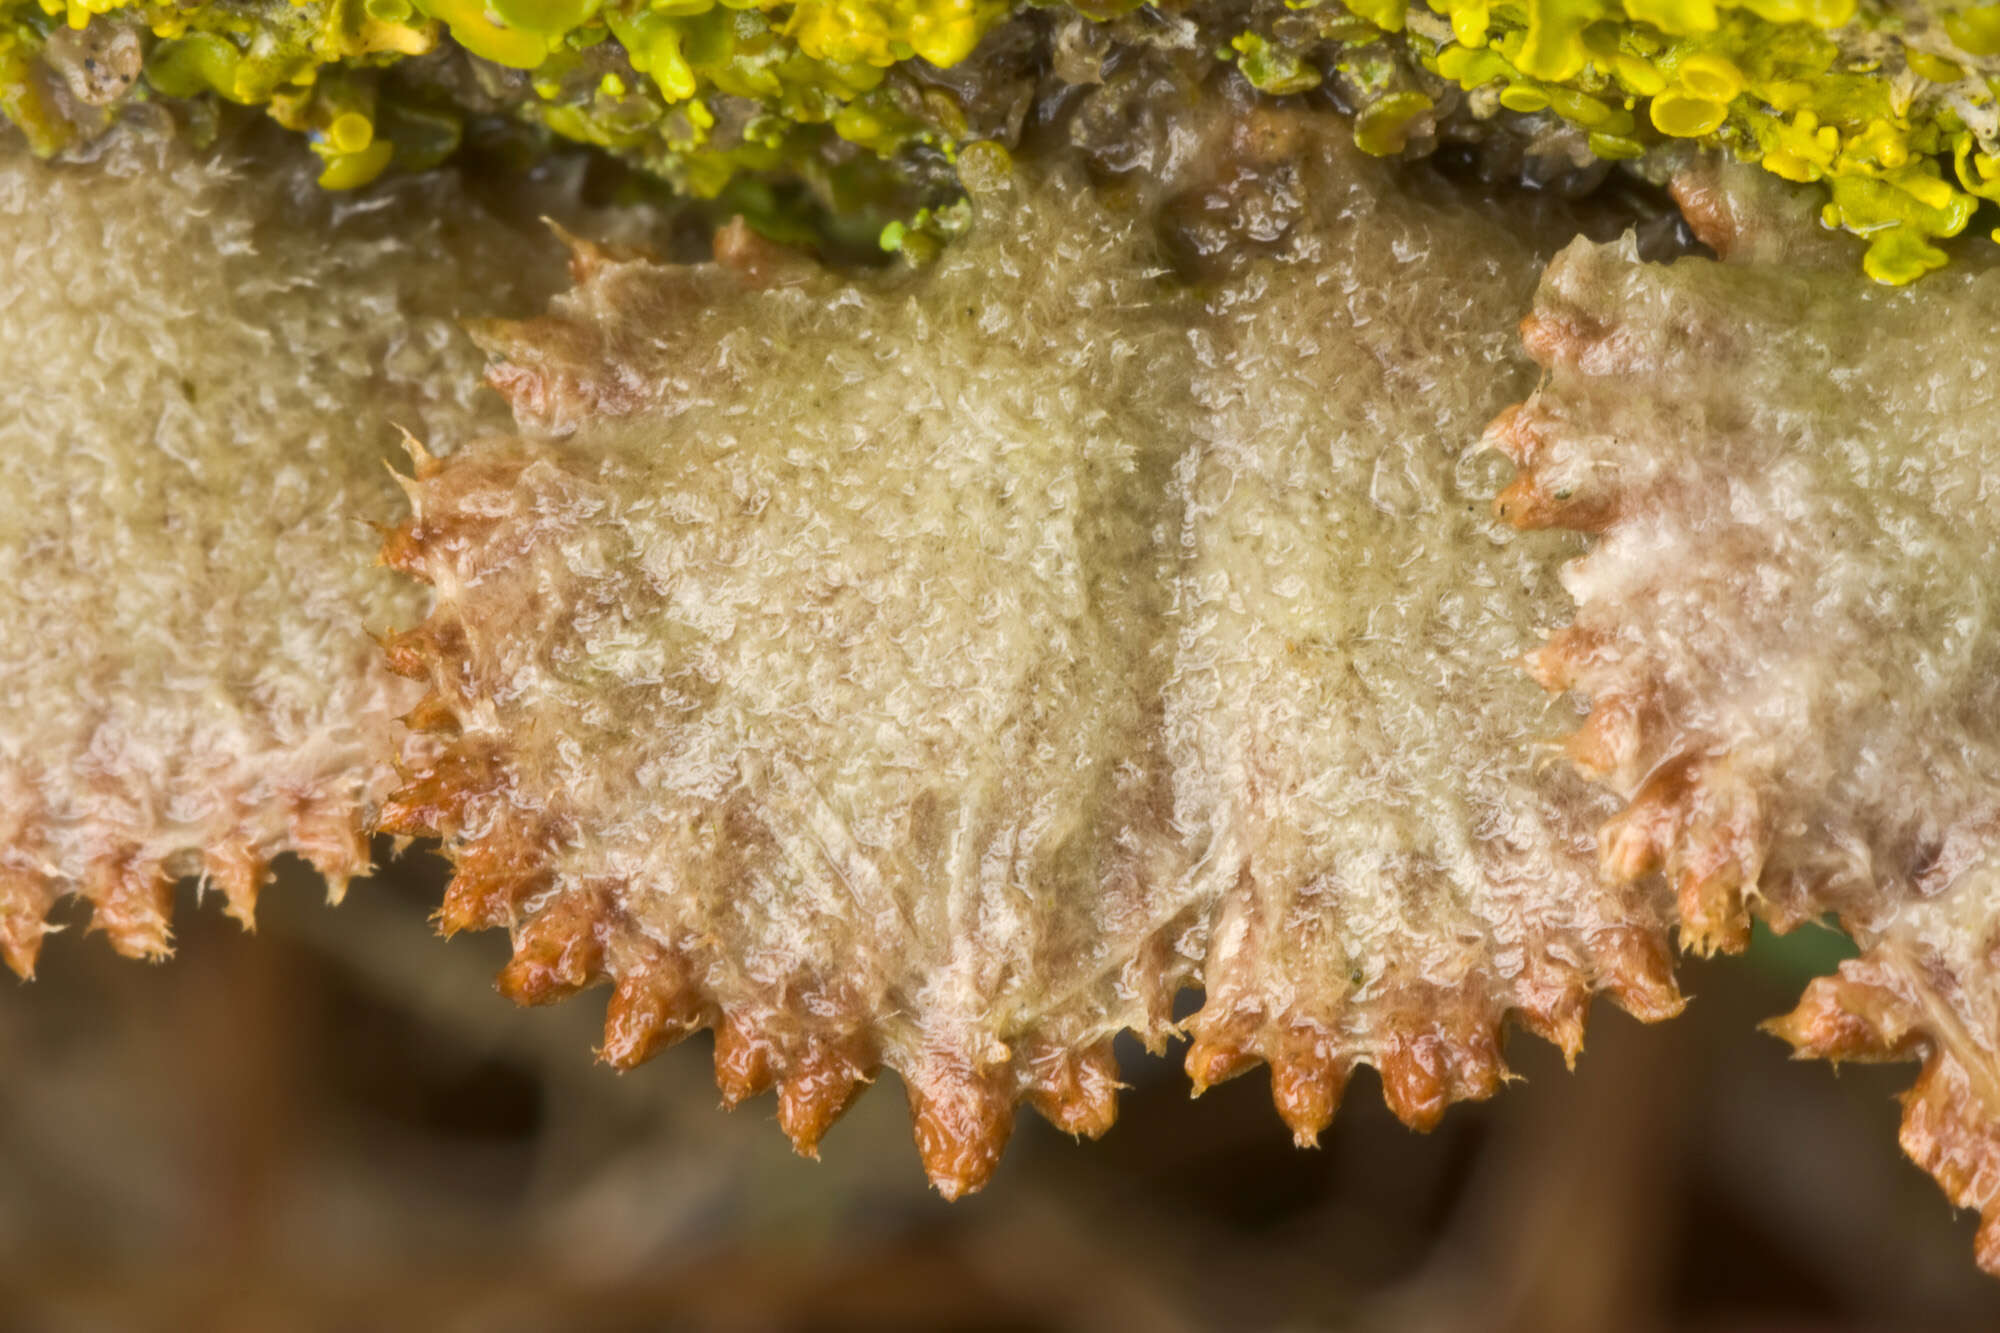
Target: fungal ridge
{"type": "Point", "coordinates": [592, 591]}
{"type": "Point", "coordinates": [1694, 815]}
{"type": "Point", "coordinates": [816, 1051]}
{"type": "Point", "coordinates": [1784, 636]}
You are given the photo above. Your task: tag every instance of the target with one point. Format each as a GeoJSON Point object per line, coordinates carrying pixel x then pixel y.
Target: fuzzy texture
{"type": "Point", "coordinates": [1386, 874]}
{"type": "Point", "coordinates": [201, 369]}
{"type": "Point", "coordinates": [1788, 637]}
{"type": "Point", "coordinates": [935, 671]}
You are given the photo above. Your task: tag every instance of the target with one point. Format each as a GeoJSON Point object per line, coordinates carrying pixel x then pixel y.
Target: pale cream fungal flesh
{"type": "Point", "coordinates": [938, 670]}
{"type": "Point", "coordinates": [1788, 635]}
{"type": "Point", "coordinates": [819, 660]}
{"type": "Point", "coordinates": [201, 370]}
{"type": "Point", "coordinates": [1387, 872]}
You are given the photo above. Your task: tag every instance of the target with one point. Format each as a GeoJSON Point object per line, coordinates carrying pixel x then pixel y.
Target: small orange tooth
{"type": "Point", "coordinates": [498, 338]}
{"type": "Point", "coordinates": [1552, 342]}
{"type": "Point", "coordinates": [758, 260]}
{"type": "Point", "coordinates": [1521, 503]}
{"type": "Point", "coordinates": [432, 714]}
{"type": "Point", "coordinates": [403, 551]}
{"type": "Point", "coordinates": [1948, 1131]}
{"type": "Point", "coordinates": [1528, 502]}
{"type": "Point", "coordinates": [433, 645]}
{"type": "Point", "coordinates": [1640, 839]}
{"type": "Point", "coordinates": [1559, 663]}
{"type": "Point", "coordinates": [1077, 1091]}
{"type": "Point", "coordinates": [588, 258]}
{"type": "Point", "coordinates": [1986, 1245]}
{"type": "Point", "coordinates": [1637, 968]}
{"type": "Point", "coordinates": [1556, 1012]}
{"type": "Point", "coordinates": [1457, 1060]}
{"type": "Point", "coordinates": [1843, 1018]}
{"type": "Point", "coordinates": [1609, 738]}
{"type": "Point", "coordinates": [1704, 206]}
{"type": "Point", "coordinates": [550, 367]}
{"type": "Point", "coordinates": [234, 867]}
{"type": "Point", "coordinates": [558, 951]}
{"type": "Point", "coordinates": [25, 901]}
{"type": "Point", "coordinates": [1414, 1072]}
{"type": "Point", "coordinates": [409, 814]}
{"type": "Point", "coordinates": [527, 391]}
{"type": "Point", "coordinates": [1305, 1086]}
{"type": "Point", "coordinates": [1514, 433]}
{"type": "Point", "coordinates": [434, 802]}
{"type": "Point", "coordinates": [422, 461]}
{"type": "Point", "coordinates": [742, 1062]}
{"type": "Point", "coordinates": [647, 1013]}
{"type": "Point", "coordinates": [962, 1123]}
{"type": "Point", "coordinates": [1719, 855]}
{"type": "Point", "coordinates": [486, 900]}
{"type": "Point", "coordinates": [132, 903]}
{"type": "Point", "coordinates": [1631, 845]}
{"type": "Point", "coordinates": [1713, 917]}
{"type": "Point", "coordinates": [1479, 1067]}
{"type": "Point", "coordinates": [818, 1089]}
{"type": "Point", "coordinates": [1214, 1059]}
{"type": "Point", "coordinates": [411, 652]}
{"type": "Point", "coordinates": [329, 837]}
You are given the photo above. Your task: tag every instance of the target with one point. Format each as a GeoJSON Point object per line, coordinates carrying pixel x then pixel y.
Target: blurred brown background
{"type": "Point", "coordinates": [338, 1125]}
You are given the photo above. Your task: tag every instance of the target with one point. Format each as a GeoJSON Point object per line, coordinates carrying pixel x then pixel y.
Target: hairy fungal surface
{"type": "Point", "coordinates": [1788, 637]}
{"type": "Point", "coordinates": [200, 364]}
{"type": "Point", "coordinates": [937, 671]}
{"type": "Point", "coordinates": [804, 686]}
{"type": "Point", "coordinates": [1385, 873]}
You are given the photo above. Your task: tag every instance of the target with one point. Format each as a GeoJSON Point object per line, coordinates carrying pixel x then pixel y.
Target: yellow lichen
{"type": "Point", "coordinates": [812, 64]}
{"type": "Point", "coordinates": [1791, 83]}
{"type": "Point", "coordinates": [1882, 104]}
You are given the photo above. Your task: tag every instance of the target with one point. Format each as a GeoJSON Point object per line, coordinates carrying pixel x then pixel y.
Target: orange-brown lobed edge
{"type": "Point", "coordinates": [1866, 1012]}
{"type": "Point", "coordinates": [131, 894]}
{"type": "Point", "coordinates": [1695, 820]}
{"type": "Point", "coordinates": [1441, 1048]}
